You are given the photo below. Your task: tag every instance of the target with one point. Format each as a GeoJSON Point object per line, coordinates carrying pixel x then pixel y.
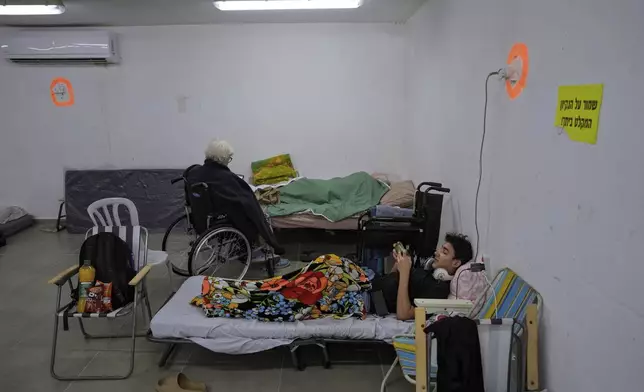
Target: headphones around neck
{"type": "Point", "coordinates": [442, 275]}
{"type": "Point", "coordinates": [439, 274]}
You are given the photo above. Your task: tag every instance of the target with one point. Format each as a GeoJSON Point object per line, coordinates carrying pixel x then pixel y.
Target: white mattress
{"type": "Point", "coordinates": [179, 319]}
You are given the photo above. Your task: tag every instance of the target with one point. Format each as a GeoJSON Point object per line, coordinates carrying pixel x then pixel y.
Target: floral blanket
{"type": "Point", "coordinates": [329, 286]}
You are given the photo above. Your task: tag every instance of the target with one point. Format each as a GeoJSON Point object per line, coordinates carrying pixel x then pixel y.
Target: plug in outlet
{"type": "Point", "coordinates": [485, 259]}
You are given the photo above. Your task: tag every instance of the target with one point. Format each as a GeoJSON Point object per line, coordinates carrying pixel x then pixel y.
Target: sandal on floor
{"type": "Point", "coordinates": [178, 383]}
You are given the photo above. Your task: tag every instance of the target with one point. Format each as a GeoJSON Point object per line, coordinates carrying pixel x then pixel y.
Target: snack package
{"type": "Point", "coordinates": [107, 296]}
{"type": "Point", "coordinates": [94, 302]}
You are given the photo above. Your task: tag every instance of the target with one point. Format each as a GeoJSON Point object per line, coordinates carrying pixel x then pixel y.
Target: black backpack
{"type": "Point", "coordinates": [112, 259]}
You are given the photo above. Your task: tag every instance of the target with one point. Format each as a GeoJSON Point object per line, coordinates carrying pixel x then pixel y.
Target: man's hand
{"type": "Point", "coordinates": [403, 262]}
{"type": "Point", "coordinates": [404, 309]}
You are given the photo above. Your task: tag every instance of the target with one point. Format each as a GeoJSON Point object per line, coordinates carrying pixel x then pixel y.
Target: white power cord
{"type": "Point", "coordinates": [496, 307]}
{"type": "Point", "coordinates": [480, 179]}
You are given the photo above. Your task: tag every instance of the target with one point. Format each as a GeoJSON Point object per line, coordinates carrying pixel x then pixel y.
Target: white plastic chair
{"type": "Point", "coordinates": [105, 212]}
{"type": "Point", "coordinates": [99, 212]}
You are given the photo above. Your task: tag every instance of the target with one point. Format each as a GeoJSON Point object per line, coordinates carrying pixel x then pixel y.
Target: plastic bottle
{"type": "Point", "coordinates": [86, 276]}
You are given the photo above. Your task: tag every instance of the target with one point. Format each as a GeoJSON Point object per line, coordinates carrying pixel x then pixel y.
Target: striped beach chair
{"type": "Point", "coordinates": [505, 302]}
{"type": "Point", "coordinates": [136, 237]}
{"type": "Point", "coordinates": [508, 297]}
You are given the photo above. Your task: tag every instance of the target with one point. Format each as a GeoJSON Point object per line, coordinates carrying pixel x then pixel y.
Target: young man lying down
{"type": "Point", "coordinates": [331, 286]}
{"type": "Point", "coordinates": [405, 283]}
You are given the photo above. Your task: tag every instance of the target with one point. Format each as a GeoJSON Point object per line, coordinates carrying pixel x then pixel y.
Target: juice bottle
{"type": "Point", "coordinates": [86, 275]}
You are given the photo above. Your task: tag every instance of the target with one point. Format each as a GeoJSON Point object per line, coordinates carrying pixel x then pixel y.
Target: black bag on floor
{"type": "Point", "coordinates": [112, 259]}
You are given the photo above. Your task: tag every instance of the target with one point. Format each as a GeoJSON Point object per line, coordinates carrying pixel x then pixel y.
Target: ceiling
{"type": "Point", "coordinates": [169, 12]}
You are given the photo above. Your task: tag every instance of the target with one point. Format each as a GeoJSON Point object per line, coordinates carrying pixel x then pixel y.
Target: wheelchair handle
{"type": "Point", "coordinates": [438, 189]}
{"type": "Point", "coordinates": [176, 180]}
{"type": "Point", "coordinates": [429, 183]}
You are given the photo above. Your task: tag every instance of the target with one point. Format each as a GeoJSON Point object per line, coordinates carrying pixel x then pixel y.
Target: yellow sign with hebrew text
{"type": "Point", "coordinates": [578, 110]}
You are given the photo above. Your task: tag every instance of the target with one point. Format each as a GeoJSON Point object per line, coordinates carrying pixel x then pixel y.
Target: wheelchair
{"type": "Point", "coordinates": [203, 241]}
{"type": "Point", "coordinates": [419, 231]}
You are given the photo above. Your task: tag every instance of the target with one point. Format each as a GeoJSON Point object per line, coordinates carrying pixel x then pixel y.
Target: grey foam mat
{"type": "Point", "coordinates": [157, 201]}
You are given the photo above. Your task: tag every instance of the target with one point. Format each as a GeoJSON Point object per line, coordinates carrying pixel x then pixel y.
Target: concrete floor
{"type": "Point", "coordinates": [26, 322]}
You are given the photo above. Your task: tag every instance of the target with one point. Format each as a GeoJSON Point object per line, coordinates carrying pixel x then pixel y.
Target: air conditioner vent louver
{"type": "Point", "coordinates": [61, 62]}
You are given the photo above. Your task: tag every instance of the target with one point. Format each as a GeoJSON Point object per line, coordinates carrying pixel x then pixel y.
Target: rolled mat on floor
{"type": "Point", "coordinates": [13, 220]}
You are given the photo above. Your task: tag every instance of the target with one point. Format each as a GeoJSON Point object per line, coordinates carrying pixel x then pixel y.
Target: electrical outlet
{"type": "Point", "coordinates": [485, 259]}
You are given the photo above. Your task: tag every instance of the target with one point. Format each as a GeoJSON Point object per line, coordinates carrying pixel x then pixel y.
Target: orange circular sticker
{"type": "Point", "coordinates": [62, 93]}
{"type": "Point", "coordinates": [518, 68]}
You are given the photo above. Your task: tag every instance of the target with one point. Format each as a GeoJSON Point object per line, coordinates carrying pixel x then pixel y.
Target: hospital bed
{"type": "Point", "coordinates": [400, 194]}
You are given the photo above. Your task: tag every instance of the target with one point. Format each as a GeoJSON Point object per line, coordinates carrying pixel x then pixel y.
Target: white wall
{"type": "Point", "coordinates": [331, 95]}
{"type": "Point", "coordinates": [566, 216]}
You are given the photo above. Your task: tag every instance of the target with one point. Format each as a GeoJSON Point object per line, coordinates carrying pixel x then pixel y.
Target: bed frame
{"type": "Point", "coordinates": [293, 348]}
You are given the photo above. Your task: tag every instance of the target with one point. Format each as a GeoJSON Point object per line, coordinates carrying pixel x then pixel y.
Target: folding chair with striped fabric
{"type": "Point", "coordinates": [508, 297]}
{"type": "Point", "coordinates": [136, 237]}
{"type": "Point", "coordinates": [505, 301]}
{"type": "Point", "coordinates": [405, 347]}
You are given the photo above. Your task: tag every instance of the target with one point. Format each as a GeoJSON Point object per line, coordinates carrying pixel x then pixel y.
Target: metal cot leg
{"type": "Point", "coordinates": [166, 354]}
{"type": "Point", "coordinates": [325, 354]}
{"type": "Point", "coordinates": [295, 356]}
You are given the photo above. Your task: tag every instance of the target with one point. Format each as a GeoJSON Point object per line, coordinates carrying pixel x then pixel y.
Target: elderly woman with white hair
{"type": "Point", "coordinates": [220, 151]}
{"type": "Point", "coordinates": [232, 195]}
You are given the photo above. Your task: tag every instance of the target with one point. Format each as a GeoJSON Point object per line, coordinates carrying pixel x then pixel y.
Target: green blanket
{"type": "Point", "coordinates": [335, 199]}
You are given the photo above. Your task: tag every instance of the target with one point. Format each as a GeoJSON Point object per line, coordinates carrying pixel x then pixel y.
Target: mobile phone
{"type": "Point", "coordinates": [400, 248]}
{"type": "Point", "coordinates": [379, 303]}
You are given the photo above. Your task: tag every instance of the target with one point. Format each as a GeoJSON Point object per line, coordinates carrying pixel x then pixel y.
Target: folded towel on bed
{"type": "Point", "coordinates": [334, 199]}
{"type": "Point", "coordinates": [273, 170]}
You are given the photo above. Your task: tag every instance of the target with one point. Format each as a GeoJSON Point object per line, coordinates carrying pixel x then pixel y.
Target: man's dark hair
{"type": "Point", "coordinates": [462, 246]}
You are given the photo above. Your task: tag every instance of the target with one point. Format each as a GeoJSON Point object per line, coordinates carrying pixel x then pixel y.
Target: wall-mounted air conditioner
{"type": "Point", "coordinates": [59, 46]}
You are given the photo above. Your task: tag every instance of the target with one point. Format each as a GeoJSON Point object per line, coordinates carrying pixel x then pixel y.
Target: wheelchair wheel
{"type": "Point", "coordinates": [221, 251]}
{"type": "Point", "coordinates": [177, 242]}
